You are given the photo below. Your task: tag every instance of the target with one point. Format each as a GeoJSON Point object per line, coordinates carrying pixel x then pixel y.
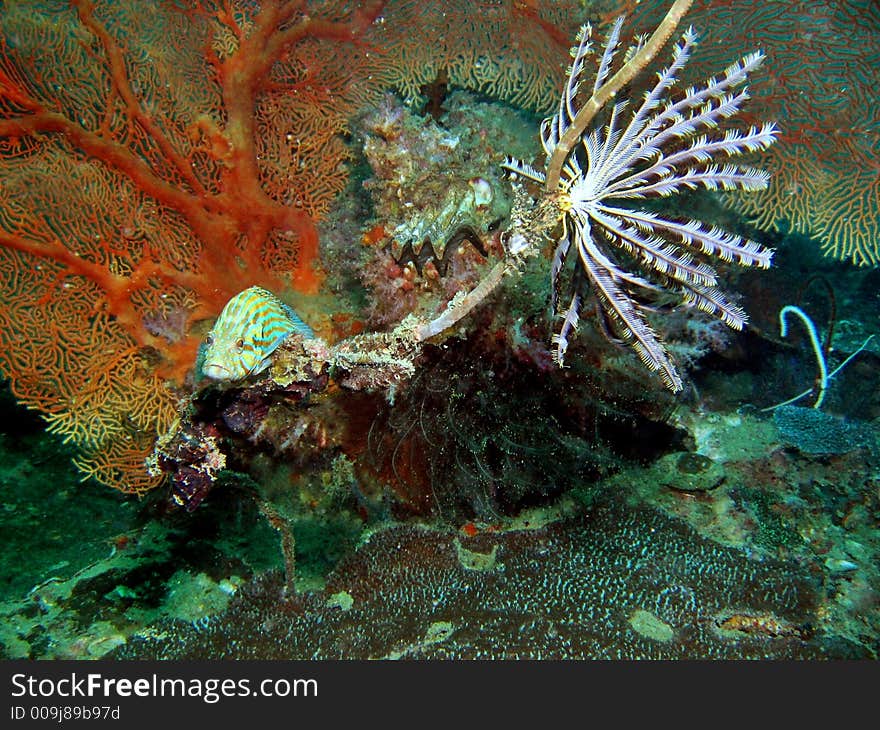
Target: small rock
{"type": "Point", "coordinates": [839, 565]}
{"type": "Point", "coordinates": [690, 472]}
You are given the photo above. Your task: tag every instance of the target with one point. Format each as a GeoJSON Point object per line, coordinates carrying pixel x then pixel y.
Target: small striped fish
{"type": "Point", "coordinates": [249, 329]}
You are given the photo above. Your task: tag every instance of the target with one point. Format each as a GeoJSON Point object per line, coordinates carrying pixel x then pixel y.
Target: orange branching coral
{"type": "Point", "coordinates": [820, 84]}
{"type": "Point", "coordinates": [154, 159]}
{"type": "Point", "coordinates": [509, 49]}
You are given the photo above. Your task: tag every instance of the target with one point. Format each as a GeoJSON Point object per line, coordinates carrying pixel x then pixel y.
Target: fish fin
{"type": "Point", "coordinates": [300, 327]}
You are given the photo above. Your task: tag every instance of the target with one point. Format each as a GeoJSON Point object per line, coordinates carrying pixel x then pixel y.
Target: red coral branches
{"type": "Point", "coordinates": [155, 159]}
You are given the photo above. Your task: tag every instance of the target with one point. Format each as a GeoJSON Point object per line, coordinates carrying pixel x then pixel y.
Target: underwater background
{"type": "Point", "coordinates": [371, 493]}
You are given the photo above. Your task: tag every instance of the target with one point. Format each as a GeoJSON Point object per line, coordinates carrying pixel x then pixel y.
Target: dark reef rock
{"type": "Point", "coordinates": [617, 582]}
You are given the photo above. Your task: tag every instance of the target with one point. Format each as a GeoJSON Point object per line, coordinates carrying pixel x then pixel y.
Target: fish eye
{"type": "Point", "coordinates": [239, 343]}
{"type": "Point", "coordinates": [209, 340]}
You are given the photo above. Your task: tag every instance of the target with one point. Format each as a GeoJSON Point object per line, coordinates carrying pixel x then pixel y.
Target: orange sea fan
{"type": "Point", "coordinates": [144, 182]}
{"type": "Point", "coordinates": [509, 49]}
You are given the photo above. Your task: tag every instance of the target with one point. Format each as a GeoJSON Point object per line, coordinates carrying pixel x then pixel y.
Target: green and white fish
{"type": "Point", "coordinates": [249, 329]}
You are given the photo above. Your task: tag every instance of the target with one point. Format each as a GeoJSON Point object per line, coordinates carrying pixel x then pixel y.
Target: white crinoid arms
{"type": "Point", "coordinates": [660, 146]}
